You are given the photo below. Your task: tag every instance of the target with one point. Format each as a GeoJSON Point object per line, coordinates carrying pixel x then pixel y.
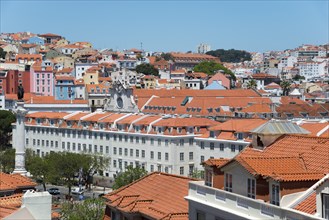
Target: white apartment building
{"type": "Point", "coordinates": [287, 62]}
{"type": "Point", "coordinates": [171, 145]}
{"type": "Point", "coordinates": [313, 69]}
{"type": "Point", "coordinates": [80, 68]}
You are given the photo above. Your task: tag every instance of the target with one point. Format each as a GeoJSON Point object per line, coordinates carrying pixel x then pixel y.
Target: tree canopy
{"type": "Point", "coordinates": [285, 85]}
{"type": "Point", "coordinates": [130, 175]}
{"type": "Point", "coordinates": [6, 118]}
{"type": "Point", "coordinates": [87, 209]}
{"type": "Point", "coordinates": [7, 160]}
{"type": "Point", "coordinates": [252, 84]}
{"type": "Point", "coordinates": [2, 53]}
{"type": "Point", "coordinates": [210, 68]}
{"type": "Point", "coordinates": [231, 56]}
{"type": "Point", "coordinates": [63, 167]}
{"type": "Point", "coordinates": [147, 69]}
{"type": "Point", "coordinates": [167, 56]}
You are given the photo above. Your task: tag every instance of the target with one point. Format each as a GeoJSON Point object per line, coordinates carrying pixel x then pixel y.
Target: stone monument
{"type": "Point", "coordinates": [19, 140]}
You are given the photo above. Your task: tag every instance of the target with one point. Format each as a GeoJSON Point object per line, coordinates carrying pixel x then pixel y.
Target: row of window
{"type": "Point", "coordinates": [221, 146]}
{"type": "Point", "coordinates": [101, 136]}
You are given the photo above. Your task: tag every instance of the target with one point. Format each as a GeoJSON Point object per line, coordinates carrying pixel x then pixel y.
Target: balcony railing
{"type": "Point", "coordinates": [241, 206]}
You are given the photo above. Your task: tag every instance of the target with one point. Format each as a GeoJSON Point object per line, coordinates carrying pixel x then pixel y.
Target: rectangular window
{"type": "Point", "coordinates": [152, 141]}
{"type": "Point", "coordinates": [221, 147]}
{"type": "Point", "coordinates": [152, 155]}
{"type": "Point", "coordinates": [126, 138]}
{"type": "Point", "coordinates": [90, 148]}
{"type": "Point", "coordinates": [63, 145]}
{"type": "Point", "coordinates": [181, 156]}
{"type": "Point", "coordinates": [202, 145]}
{"type": "Point", "coordinates": [137, 139]}
{"type": "Point", "coordinates": [159, 155]}
{"type": "Point", "coordinates": [120, 151]}
{"type": "Point", "coordinates": [190, 156]}
{"type": "Point", "coordinates": [181, 142]}
{"type": "Point", "coordinates": [190, 141]}
{"type": "Point", "coordinates": [131, 139]}
{"type": "Point", "coordinates": [107, 149]}
{"type": "Point", "coordinates": [275, 194]}
{"type": "Point", "coordinates": [120, 137]}
{"type": "Point", "coordinates": [114, 150]}
{"type": "Point", "coordinates": [79, 147]}
{"type": "Point", "coordinates": [152, 168]}
{"type": "Point", "coordinates": [166, 142]}
{"type": "Point", "coordinates": [95, 148]}
{"type": "Point", "coordinates": [228, 182]}
{"type": "Point", "coordinates": [167, 156]}
{"type": "Point", "coordinates": [181, 170]}
{"type": "Point", "coordinates": [251, 188]}
{"type": "Point", "coordinates": [232, 148]}
{"type": "Point", "coordinates": [73, 146]}
{"type": "Point", "coordinates": [240, 147]}
{"type": "Point", "coordinates": [143, 153]}
{"type": "Point", "coordinates": [84, 147]}
{"type": "Point", "coordinates": [143, 140]}
{"type": "Point", "coordinates": [212, 146]}
{"type": "Point", "coordinates": [101, 149]}
{"type": "Point", "coordinates": [114, 163]}
{"type": "Point", "coordinates": [126, 152]}
{"type": "Point", "coordinates": [159, 142]}
{"type": "Point", "coordinates": [131, 152]}
{"type": "Point", "coordinates": [137, 153]}
{"type": "Point", "coordinates": [325, 199]}
{"type": "Point", "coordinates": [201, 159]}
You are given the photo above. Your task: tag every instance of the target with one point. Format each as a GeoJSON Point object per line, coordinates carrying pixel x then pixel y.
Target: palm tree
{"type": "Point", "coordinates": [252, 84]}
{"type": "Point", "coordinates": [285, 85]}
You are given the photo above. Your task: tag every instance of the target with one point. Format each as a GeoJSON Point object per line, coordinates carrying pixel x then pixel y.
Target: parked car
{"type": "Point", "coordinates": [77, 191]}
{"type": "Point", "coordinates": [54, 191]}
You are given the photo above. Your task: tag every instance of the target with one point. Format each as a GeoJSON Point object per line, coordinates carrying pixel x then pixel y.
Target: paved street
{"type": "Point", "coordinates": [95, 192]}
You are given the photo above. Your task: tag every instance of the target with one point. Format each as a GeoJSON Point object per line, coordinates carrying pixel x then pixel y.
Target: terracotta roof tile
{"type": "Point", "coordinates": [157, 195]}
{"type": "Point", "coordinates": [308, 205]}
{"type": "Point", "coordinates": [216, 162]}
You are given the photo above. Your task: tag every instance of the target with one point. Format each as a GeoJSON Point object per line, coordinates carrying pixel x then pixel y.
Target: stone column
{"type": "Point", "coordinates": [19, 139]}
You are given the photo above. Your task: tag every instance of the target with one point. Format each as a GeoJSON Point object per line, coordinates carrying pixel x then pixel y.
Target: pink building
{"type": "Point", "coordinates": [42, 80]}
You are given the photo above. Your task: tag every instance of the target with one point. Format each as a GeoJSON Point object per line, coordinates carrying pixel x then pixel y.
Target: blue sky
{"type": "Point", "coordinates": [174, 25]}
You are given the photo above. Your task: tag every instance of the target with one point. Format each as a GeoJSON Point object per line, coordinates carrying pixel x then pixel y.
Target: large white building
{"type": "Point", "coordinates": [313, 69]}
{"type": "Point", "coordinates": [157, 143]}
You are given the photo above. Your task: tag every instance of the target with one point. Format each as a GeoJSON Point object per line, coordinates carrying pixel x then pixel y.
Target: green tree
{"type": "Point", "coordinates": [40, 169]}
{"type": "Point", "coordinates": [252, 84]}
{"type": "Point", "coordinates": [7, 160]}
{"type": "Point", "coordinates": [231, 56]}
{"type": "Point", "coordinates": [197, 174]}
{"type": "Point", "coordinates": [2, 53]}
{"type": "Point", "coordinates": [167, 56]}
{"type": "Point", "coordinates": [89, 209]}
{"type": "Point", "coordinates": [130, 175]}
{"type": "Point", "coordinates": [285, 85]}
{"type": "Point", "coordinates": [298, 77]}
{"type": "Point", "coordinates": [63, 167]}
{"type": "Point", "coordinates": [6, 119]}
{"type": "Point", "coordinates": [147, 69]}
{"type": "Point", "coordinates": [210, 68]}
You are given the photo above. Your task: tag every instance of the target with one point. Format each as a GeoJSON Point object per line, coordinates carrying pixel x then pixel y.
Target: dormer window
{"type": "Point", "coordinates": [212, 134]}
{"type": "Point", "coordinates": [240, 136]}
{"type": "Point", "coordinates": [304, 114]}
{"type": "Point", "coordinates": [38, 121]}
{"type": "Point", "coordinates": [69, 124]}
{"type": "Point", "coordinates": [197, 129]}
{"type": "Point", "coordinates": [179, 130]}
{"type": "Point", "coordinates": [159, 129]}
{"type": "Point", "coordinates": [137, 128]}
{"type": "Point", "coordinates": [190, 130]}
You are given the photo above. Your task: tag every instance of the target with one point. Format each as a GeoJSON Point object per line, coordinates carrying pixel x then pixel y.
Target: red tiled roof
{"type": "Point", "coordinates": [308, 205]}
{"type": "Point", "coordinates": [289, 158]}
{"type": "Point", "coordinates": [157, 195]}
{"type": "Point", "coordinates": [10, 204]}
{"type": "Point", "coordinates": [14, 181]}
{"type": "Point", "coordinates": [216, 162]}
{"type": "Point", "coordinates": [49, 115]}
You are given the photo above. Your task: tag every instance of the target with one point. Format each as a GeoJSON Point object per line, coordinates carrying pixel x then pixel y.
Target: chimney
{"type": "Point", "coordinates": [38, 203]}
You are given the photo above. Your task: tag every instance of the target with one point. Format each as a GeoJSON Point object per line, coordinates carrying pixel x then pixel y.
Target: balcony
{"type": "Point", "coordinates": [218, 202]}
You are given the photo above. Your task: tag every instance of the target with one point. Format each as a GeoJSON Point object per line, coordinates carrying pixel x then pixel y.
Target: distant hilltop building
{"type": "Point", "coordinates": [203, 48]}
